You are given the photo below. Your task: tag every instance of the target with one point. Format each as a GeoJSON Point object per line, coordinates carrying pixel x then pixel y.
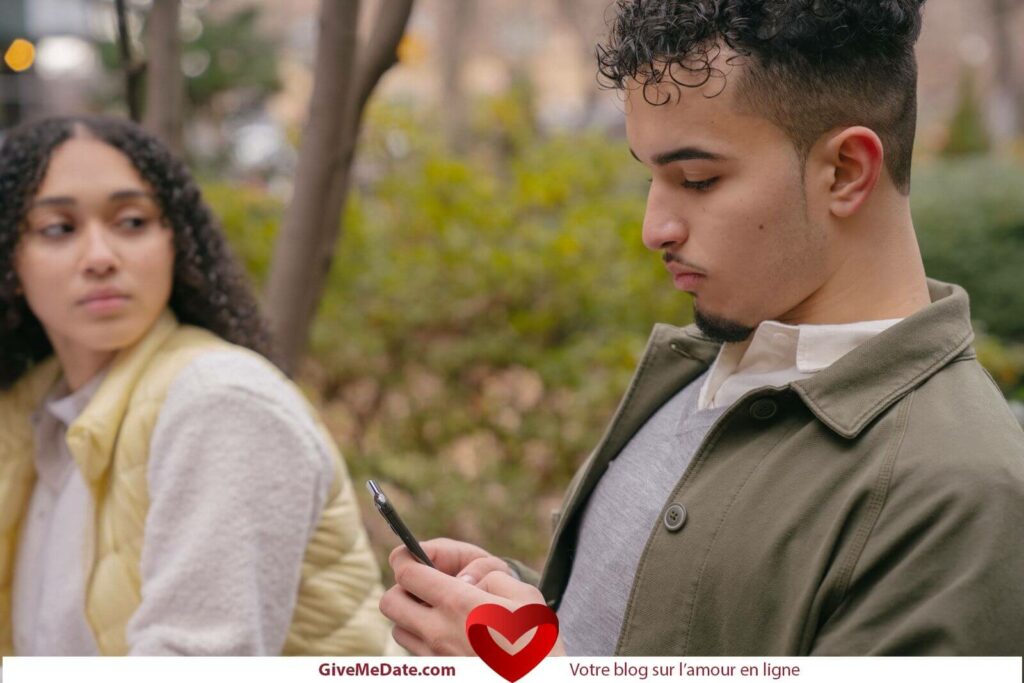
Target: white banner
{"type": "Point", "coordinates": [551, 670]}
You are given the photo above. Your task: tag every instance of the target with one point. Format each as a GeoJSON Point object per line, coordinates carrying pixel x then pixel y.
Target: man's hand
{"type": "Point", "coordinates": [430, 606]}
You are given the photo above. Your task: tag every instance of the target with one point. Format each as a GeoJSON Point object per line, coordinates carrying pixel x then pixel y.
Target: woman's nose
{"type": "Point", "coordinates": [99, 256]}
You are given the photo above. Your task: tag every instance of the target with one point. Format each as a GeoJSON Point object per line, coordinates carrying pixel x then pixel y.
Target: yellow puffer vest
{"type": "Point", "coordinates": [336, 612]}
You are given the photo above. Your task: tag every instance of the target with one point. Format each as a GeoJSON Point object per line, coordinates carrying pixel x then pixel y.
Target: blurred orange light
{"type": "Point", "coordinates": [411, 50]}
{"type": "Point", "coordinates": [20, 55]}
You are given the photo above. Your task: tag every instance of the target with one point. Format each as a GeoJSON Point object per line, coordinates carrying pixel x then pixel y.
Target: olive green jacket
{"type": "Point", "coordinates": [876, 507]}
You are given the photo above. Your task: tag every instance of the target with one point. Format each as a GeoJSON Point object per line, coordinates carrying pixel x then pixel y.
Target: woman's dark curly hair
{"type": "Point", "coordinates": [813, 64]}
{"type": "Point", "coordinates": [210, 288]}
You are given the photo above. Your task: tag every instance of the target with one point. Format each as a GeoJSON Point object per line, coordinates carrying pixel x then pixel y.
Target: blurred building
{"type": "Point", "coordinates": [64, 34]}
{"type": "Point", "coordinates": [553, 41]}
{"type": "Point", "coordinates": [464, 49]}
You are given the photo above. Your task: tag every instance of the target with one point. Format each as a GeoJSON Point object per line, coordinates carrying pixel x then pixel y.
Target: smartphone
{"type": "Point", "coordinates": [387, 511]}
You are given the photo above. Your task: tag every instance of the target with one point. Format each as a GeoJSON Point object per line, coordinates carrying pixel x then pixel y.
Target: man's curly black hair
{"type": "Point", "coordinates": [810, 65]}
{"type": "Point", "coordinates": [210, 288]}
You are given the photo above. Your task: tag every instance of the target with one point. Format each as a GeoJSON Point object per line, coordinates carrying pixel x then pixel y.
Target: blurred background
{"type": "Point", "coordinates": [437, 199]}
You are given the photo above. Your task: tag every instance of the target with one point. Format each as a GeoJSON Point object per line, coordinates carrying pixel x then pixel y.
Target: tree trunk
{"type": "Point", "coordinates": [165, 84]}
{"type": "Point", "coordinates": [344, 79]}
{"type": "Point", "coordinates": [1006, 111]}
{"type": "Point", "coordinates": [455, 29]}
{"type": "Point", "coordinates": [289, 299]}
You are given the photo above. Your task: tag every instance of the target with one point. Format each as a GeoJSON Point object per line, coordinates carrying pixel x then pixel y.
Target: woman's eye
{"type": "Point", "coordinates": [699, 185]}
{"type": "Point", "coordinates": [55, 230]}
{"type": "Point", "coordinates": [132, 222]}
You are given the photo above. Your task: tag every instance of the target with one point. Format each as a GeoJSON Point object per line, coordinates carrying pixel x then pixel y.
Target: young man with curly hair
{"type": "Point", "coordinates": [818, 465]}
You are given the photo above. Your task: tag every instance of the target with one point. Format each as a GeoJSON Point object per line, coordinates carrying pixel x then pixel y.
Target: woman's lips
{"type": "Point", "coordinates": [109, 303]}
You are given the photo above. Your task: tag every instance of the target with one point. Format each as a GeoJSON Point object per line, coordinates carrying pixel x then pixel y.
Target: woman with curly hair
{"type": "Point", "coordinates": [164, 489]}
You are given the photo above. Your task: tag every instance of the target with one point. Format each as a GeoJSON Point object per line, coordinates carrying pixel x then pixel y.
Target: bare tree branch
{"type": "Point", "coordinates": [165, 84]}
{"type": "Point", "coordinates": [132, 70]}
{"type": "Point", "coordinates": [381, 52]}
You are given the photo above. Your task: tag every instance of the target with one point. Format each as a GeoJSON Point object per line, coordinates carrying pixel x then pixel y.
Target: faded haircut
{"type": "Point", "coordinates": [810, 65]}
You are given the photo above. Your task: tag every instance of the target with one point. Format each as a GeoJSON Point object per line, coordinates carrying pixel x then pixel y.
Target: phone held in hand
{"type": "Point", "coordinates": [387, 511]}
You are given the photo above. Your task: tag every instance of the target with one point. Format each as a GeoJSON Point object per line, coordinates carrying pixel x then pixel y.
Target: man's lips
{"type": "Point", "coordinates": [687, 282]}
{"type": "Point", "coordinates": [684, 277]}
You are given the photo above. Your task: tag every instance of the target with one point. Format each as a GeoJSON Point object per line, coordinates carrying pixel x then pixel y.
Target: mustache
{"type": "Point", "coordinates": [669, 257]}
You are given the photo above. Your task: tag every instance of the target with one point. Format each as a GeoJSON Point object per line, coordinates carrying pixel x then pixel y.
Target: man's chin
{"type": "Point", "coordinates": [720, 329]}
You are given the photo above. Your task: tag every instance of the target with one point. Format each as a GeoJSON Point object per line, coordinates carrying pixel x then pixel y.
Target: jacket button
{"type": "Point", "coordinates": [675, 517]}
{"type": "Point", "coordinates": [763, 409]}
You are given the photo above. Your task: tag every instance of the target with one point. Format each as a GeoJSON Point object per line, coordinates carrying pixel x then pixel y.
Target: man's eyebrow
{"type": "Point", "coordinates": [682, 154]}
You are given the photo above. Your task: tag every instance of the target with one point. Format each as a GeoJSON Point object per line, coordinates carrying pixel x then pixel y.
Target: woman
{"type": "Point", "coordinates": [163, 488]}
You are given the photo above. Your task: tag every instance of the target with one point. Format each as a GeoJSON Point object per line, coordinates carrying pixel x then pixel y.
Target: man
{"type": "Point", "coordinates": [819, 465]}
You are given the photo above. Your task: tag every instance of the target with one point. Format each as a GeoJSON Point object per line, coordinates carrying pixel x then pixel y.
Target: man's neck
{"type": "Point", "coordinates": [881, 275]}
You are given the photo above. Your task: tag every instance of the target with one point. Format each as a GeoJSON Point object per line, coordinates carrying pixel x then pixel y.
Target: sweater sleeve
{"type": "Point", "coordinates": [237, 478]}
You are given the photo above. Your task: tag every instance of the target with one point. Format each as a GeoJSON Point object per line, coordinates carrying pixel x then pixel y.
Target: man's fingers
{"type": "Point", "coordinates": [502, 584]}
{"type": "Point", "coordinates": [403, 609]}
{"type": "Point", "coordinates": [449, 556]}
{"type": "Point", "coordinates": [425, 630]}
{"type": "Point", "coordinates": [479, 568]}
{"type": "Point", "coordinates": [429, 585]}
{"type": "Point", "coordinates": [411, 642]}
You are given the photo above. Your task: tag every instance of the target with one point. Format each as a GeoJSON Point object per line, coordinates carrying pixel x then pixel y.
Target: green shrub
{"type": "Point", "coordinates": [968, 134]}
{"type": "Point", "coordinates": [969, 216]}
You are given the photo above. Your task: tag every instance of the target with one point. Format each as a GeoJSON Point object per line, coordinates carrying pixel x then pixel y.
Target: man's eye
{"type": "Point", "coordinates": [699, 185]}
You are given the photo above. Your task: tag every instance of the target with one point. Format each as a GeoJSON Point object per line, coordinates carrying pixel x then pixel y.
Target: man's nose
{"type": "Point", "coordinates": [664, 227]}
{"type": "Point", "coordinates": [99, 256]}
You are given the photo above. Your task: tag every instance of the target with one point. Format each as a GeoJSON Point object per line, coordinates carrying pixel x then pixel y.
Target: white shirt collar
{"type": "Point", "coordinates": [776, 354]}
{"type": "Point", "coordinates": [51, 420]}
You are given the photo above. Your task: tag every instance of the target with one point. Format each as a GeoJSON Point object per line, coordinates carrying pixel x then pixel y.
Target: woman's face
{"type": "Point", "coordinates": [95, 260]}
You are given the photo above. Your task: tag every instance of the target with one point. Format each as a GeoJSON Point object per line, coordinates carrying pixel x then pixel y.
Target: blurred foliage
{"type": "Point", "coordinates": [485, 313]}
{"type": "Point", "coordinates": [969, 216]}
{"type": "Point", "coordinates": [968, 134]}
{"type": "Point", "coordinates": [236, 65]}
{"type": "Point", "coordinates": [239, 60]}
{"type": "Point", "coordinates": [1005, 362]}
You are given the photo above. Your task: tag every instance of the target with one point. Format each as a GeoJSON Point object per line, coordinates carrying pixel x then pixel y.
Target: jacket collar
{"type": "Point", "coordinates": [851, 392]}
{"type": "Point", "coordinates": [854, 390]}
{"type": "Point", "coordinates": [91, 437]}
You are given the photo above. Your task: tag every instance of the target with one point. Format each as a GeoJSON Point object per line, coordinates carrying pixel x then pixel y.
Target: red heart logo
{"type": "Point", "coordinates": [512, 625]}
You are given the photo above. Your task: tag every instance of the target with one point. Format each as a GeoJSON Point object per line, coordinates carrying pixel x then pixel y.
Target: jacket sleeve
{"type": "Point", "coordinates": [942, 571]}
{"type": "Point", "coordinates": [523, 572]}
{"type": "Point", "coordinates": [236, 484]}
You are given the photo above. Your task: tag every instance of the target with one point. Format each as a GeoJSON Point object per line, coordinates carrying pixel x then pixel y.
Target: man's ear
{"type": "Point", "coordinates": [856, 157]}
